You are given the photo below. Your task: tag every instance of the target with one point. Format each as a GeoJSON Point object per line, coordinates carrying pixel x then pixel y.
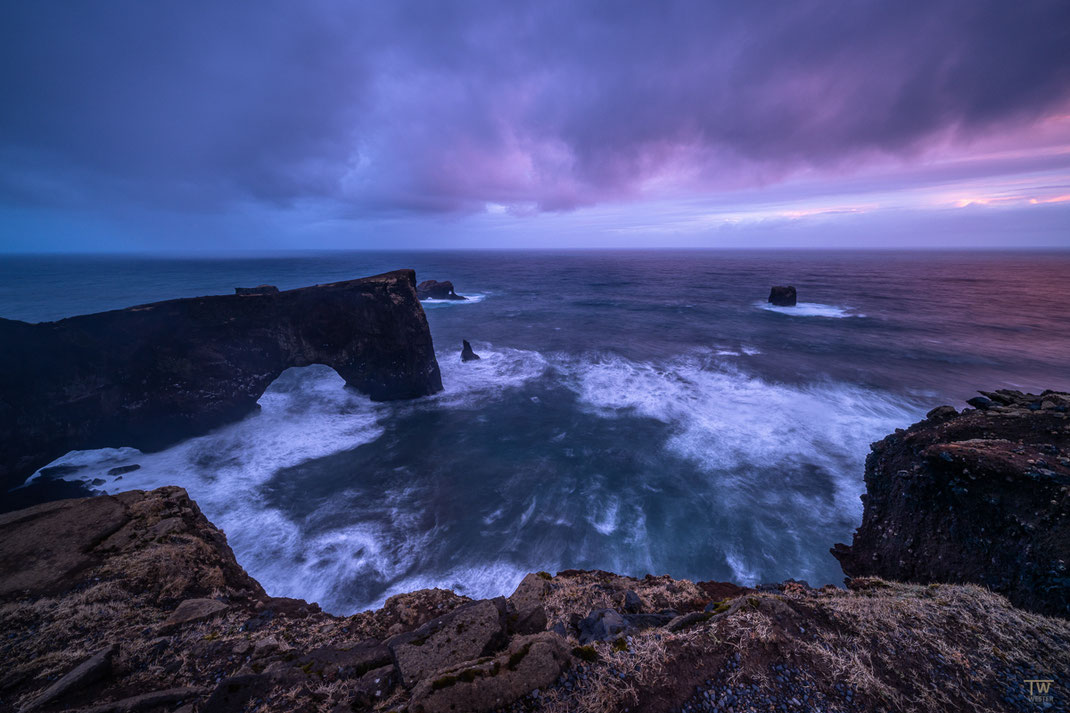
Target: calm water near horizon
{"type": "Point", "coordinates": [634, 411]}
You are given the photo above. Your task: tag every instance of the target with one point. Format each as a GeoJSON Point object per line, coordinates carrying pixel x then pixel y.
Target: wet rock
{"type": "Point", "coordinates": [193, 610]}
{"type": "Point", "coordinates": [466, 633]}
{"type": "Point", "coordinates": [435, 290]}
{"type": "Point", "coordinates": [93, 669]}
{"type": "Point", "coordinates": [601, 625]}
{"type": "Point", "coordinates": [980, 402]}
{"type": "Point", "coordinates": [530, 663]}
{"type": "Point", "coordinates": [258, 290]}
{"type": "Point", "coordinates": [122, 469]}
{"type": "Point", "coordinates": [466, 351]}
{"type": "Point", "coordinates": [942, 413]}
{"type": "Point", "coordinates": [782, 296]}
{"type": "Point", "coordinates": [156, 374]}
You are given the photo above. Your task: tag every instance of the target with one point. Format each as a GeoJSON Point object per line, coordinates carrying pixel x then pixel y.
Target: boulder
{"type": "Point", "coordinates": [193, 610]}
{"type": "Point", "coordinates": [90, 671]}
{"type": "Point", "coordinates": [601, 625]}
{"type": "Point", "coordinates": [466, 633]}
{"type": "Point", "coordinates": [466, 351]}
{"type": "Point", "coordinates": [435, 290]}
{"type": "Point", "coordinates": [530, 663]}
{"type": "Point", "coordinates": [783, 296]}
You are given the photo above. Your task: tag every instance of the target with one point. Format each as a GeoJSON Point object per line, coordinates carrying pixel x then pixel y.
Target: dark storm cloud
{"type": "Point", "coordinates": [444, 106]}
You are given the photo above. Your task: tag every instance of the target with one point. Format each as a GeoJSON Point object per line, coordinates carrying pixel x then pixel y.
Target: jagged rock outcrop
{"type": "Point", "coordinates": [435, 290]}
{"type": "Point", "coordinates": [466, 351]}
{"type": "Point", "coordinates": [135, 602]}
{"type": "Point", "coordinates": [782, 296]}
{"type": "Point", "coordinates": [982, 496]}
{"type": "Point", "coordinates": [258, 290]}
{"type": "Point", "coordinates": [149, 376]}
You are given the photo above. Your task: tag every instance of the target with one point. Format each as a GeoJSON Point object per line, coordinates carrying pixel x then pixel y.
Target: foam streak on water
{"type": "Point", "coordinates": [753, 447]}
{"type": "Point", "coordinates": [632, 411]}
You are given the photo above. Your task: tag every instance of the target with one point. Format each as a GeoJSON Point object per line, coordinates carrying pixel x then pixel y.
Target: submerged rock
{"type": "Point", "coordinates": [153, 375]}
{"type": "Point", "coordinates": [435, 290]}
{"type": "Point", "coordinates": [466, 351]}
{"type": "Point", "coordinates": [782, 296]}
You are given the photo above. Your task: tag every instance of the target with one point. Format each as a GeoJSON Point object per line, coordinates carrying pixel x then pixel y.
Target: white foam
{"type": "Point", "coordinates": [730, 422]}
{"type": "Point", "coordinates": [469, 299]}
{"type": "Point", "coordinates": [497, 370]}
{"type": "Point", "coordinates": [744, 433]}
{"type": "Point", "coordinates": [811, 309]}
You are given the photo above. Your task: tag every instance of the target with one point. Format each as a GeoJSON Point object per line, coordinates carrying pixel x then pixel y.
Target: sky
{"type": "Point", "coordinates": [201, 126]}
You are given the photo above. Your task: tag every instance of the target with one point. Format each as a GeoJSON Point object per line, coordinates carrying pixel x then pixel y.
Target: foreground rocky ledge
{"type": "Point", "coordinates": [134, 602]}
{"type": "Point", "coordinates": [981, 496]}
{"type": "Point", "coordinates": [152, 375]}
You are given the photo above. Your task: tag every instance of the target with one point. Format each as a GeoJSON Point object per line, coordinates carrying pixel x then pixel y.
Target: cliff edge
{"type": "Point", "coordinates": [981, 496]}
{"type": "Point", "coordinates": [134, 602]}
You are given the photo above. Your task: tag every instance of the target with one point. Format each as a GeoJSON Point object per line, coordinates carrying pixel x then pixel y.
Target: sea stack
{"type": "Point", "coordinates": [782, 296]}
{"type": "Point", "coordinates": [435, 290]}
{"type": "Point", "coordinates": [466, 351]}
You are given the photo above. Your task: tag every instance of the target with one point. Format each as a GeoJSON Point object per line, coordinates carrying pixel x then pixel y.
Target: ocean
{"type": "Point", "coordinates": [633, 411]}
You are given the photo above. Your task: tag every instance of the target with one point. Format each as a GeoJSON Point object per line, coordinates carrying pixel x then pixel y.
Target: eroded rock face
{"type": "Point", "coordinates": [982, 497]}
{"type": "Point", "coordinates": [783, 296]}
{"type": "Point", "coordinates": [152, 375]}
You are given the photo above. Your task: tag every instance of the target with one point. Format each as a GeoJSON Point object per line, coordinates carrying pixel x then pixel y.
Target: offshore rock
{"type": "Point", "coordinates": [466, 351]}
{"type": "Point", "coordinates": [782, 296]}
{"type": "Point", "coordinates": [982, 497]}
{"type": "Point", "coordinates": [435, 290]}
{"type": "Point", "coordinates": [152, 375]}
{"type": "Point", "coordinates": [258, 290]}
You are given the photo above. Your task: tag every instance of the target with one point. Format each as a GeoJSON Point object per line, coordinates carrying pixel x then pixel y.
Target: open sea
{"type": "Point", "coordinates": [636, 411]}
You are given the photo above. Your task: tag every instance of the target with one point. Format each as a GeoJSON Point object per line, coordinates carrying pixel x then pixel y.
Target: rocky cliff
{"type": "Point", "coordinates": [134, 602]}
{"type": "Point", "coordinates": [149, 376]}
{"type": "Point", "coordinates": [981, 496]}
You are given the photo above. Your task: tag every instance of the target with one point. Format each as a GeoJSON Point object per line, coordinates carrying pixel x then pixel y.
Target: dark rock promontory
{"type": "Point", "coordinates": [982, 497]}
{"type": "Point", "coordinates": [782, 296]}
{"type": "Point", "coordinates": [435, 290]}
{"type": "Point", "coordinates": [258, 290]}
{"type": "Point", "coordinates": [152, 375]}
{"type": "Point", "coordinates": [466, 351]}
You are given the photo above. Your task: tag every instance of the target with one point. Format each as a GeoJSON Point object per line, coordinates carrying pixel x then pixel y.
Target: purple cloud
{"type": "Point", "coordinates": [411, 108]}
